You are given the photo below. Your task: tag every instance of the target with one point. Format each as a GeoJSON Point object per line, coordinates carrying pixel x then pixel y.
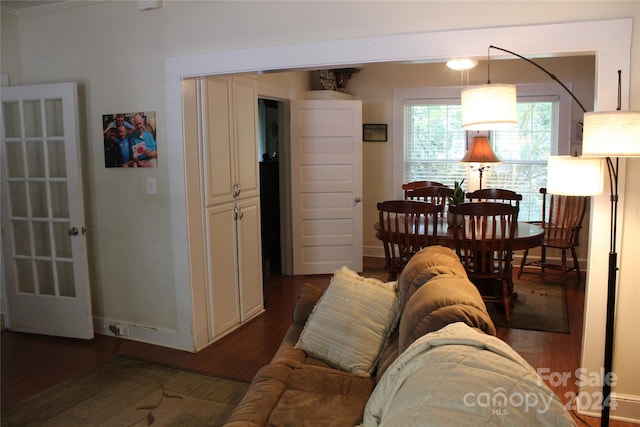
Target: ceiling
{"type": "Point", "coordinates": [28, 7]}
{"type": "Point", "coordinates": [23, 4]}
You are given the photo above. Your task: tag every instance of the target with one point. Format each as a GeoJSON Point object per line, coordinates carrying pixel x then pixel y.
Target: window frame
{"type": "Point", "coordinates": [526, 92]}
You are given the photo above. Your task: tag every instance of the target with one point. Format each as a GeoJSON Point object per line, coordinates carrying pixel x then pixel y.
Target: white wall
{"type": "Point", "coordinates": [117, 56]}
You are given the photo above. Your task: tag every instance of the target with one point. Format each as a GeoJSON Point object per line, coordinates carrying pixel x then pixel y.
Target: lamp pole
{"type": "Point", "coordinates": [611, 295]}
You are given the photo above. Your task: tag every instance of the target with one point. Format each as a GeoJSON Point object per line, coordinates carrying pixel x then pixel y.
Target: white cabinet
{"type": "Point", "coordinates": [231, 202]}
{"type": "Point", "coordinates": [231, 138]}
{"type": "Point", "coordinates": [235, 270]}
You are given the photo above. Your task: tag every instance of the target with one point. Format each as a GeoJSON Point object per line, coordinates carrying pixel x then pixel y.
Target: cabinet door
{"type": "Point", "coordinates": [250, 258]}
{"type": "Point", "coordinates": [223, 268]}
{"type": "Point", "coordinates": [218, 134]}
{"type": "Point", "coordinates": [245, 107]}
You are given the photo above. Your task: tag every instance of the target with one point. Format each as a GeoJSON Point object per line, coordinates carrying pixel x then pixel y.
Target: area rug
{"type": "Point", "coordinates": [130, 392]}
{"type": "Point", "coordinates": [539, 307]}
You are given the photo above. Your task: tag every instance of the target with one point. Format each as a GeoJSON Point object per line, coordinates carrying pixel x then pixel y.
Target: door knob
{"type": "Point", "coordinates": [358, 199]}
{"type": "Point", "coordinates": [73, 231]}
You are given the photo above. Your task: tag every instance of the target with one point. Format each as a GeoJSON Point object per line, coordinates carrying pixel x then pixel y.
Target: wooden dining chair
{"type": "Point", "coordinates": [562, 221]}
{"type": "Point", "coordinates": [483, 236]}
{"type": "Point", "coordinates": [438, 195]}
{"type": "Point", "coordinates": [405, 227]}
{"type": "Point", "coordinates": [495, 195]}
{"type": "Point", "coordinates": [417, 184]}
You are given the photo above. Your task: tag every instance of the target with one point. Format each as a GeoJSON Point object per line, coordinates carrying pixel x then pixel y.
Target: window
{"type": "Point", "coordinates": [434, 142]}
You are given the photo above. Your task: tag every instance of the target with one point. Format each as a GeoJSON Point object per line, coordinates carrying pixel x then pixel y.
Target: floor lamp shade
{"type": "Point", "coordinates": [489, 107]}
{"type": "Point", "coordinates": [611, 134]}
{"type": "Point", "coordinates": [575, 176]}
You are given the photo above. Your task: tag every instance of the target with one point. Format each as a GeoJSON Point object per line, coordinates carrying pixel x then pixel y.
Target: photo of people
{"type": "Point", "coordinates": [130, 140]}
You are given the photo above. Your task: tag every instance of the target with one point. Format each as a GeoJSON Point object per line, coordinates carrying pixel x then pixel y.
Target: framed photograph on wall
{"type": "Point", "coordinates": [374, 132]}
{"type": "Point", "coordinates": [130, 140]}
{"type": "Point", "coordinates": [473, 133]}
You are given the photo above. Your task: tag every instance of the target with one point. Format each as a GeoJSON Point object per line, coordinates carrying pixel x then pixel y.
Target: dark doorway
{"type": "Point", "coordinates": [268, 114]}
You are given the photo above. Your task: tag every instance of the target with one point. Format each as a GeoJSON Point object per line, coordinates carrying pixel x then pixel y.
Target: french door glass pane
{"type": "Point", "coordinates": [59, 200]}
{"type": "Point", "coordinates": [41, 241]}
{"type": "Point", "coordinates": [46, 281]}
{"type": "Point", "coordinates": [22, 243]}
{"type": "Point", "coordinates": [61, 239]}
{"type": "Point", "coordinates": [53, 112]}
{"type": "Point", "coordinates": [38, 196]}
{"type": "Point", "coordinates": [24, 271]}
{"type": "Point", "coordinates": [15, 167]}
{"type": "Point", "coordinates": [35, 159]}
{"type": "Point", "coordinates": [57, 165]}
{"type": "Point", "coordinates": [18, 197]}
{"type": "Point", "coordinates": [32, 119]}
{"type": "Point", "coordinates": [11, 117]}
{"type": "Point", "coordinates": [65, 279]}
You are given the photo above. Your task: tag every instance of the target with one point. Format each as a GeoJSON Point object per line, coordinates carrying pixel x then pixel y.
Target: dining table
{"type": "Point", "coordinates": [527, 235]}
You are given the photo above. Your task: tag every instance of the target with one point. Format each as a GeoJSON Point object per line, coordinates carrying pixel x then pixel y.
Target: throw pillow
{"type": "Point", "coordinates": [351, 323]}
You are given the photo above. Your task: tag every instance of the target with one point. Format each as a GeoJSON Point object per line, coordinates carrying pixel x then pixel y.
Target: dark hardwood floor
{"type": "Point", "coordinates": [32, 363]}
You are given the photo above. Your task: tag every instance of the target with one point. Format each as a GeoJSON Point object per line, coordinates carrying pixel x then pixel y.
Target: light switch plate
{"type": "Point", "coordinates": [151, 185]}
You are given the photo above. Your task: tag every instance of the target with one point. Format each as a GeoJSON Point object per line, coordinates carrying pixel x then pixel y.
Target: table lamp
{"type": "Point", "coordinates": [481, 153]}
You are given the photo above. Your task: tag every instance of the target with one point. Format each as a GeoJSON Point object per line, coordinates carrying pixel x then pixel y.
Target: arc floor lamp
{"type": "Point", "coordinates": [609, 135]}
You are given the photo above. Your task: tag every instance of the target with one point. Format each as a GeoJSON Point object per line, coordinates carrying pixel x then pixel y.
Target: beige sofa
{"type": "Point", "coordinates": [432, 293]}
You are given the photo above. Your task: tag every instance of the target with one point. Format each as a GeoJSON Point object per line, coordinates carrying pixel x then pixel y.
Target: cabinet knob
{"type": "Point", "coordinates": [357, 199]}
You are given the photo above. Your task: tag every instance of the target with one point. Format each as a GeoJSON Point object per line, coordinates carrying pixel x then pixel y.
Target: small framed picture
{"type": "Point", "coordinates": [473, 133]}
{"type": "Point", "coordinates": [374, 132]}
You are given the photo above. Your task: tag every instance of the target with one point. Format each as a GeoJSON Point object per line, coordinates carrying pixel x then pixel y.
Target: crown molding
{"type": "Point", "coordinates": [43, 8]}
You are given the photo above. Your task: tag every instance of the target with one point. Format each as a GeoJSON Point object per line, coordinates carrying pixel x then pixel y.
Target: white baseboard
{"type": "Point", "coordinates": [162, 337]}
{"type": "Point", "coordinates": [627, 409]}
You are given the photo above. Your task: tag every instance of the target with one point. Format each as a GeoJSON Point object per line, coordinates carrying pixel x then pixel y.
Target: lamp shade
{"type": "Point", "coordinates": [480, 152]}
{"type": "Point", "coordinates": [575, 176]}
{"type": "Point", "coordinates": [488, 107]}
{"type": "Point", "coordinates": [611, 134]}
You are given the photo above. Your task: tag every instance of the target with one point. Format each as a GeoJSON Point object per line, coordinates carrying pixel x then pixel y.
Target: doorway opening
{"type": "Point", "coordinates": [269, 140]}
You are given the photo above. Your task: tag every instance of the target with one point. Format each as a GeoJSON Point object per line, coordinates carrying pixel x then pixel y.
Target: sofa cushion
{"type": "Point", "coordinates": [351, 323]}
{"type": "Point", "coordinates": [427, 263]}
{"type": "Point", "coordinates": [444, 300]}
{"type": "Point", "coordinates": [322, 397]}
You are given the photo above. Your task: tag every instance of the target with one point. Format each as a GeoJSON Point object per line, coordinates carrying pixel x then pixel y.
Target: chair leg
{"type": "Point", "coordinates": [506, 299]}
{"type": "Point", "coordinates": [576, 264]}
{"type": "Point", "coordinates": [563, 270]}
{"type": "Point", "coordinates": [543, 258]}
{"type": "Point", "coordinates": [523, 262]}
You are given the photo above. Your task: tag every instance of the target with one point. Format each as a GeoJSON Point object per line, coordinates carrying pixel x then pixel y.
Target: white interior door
{"type": "Point", "coordinates": [326, 184]}
{"type": "Point", "coordinates": [43, 230]}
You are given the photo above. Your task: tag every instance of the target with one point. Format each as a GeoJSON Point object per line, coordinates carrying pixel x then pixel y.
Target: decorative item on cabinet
{"type": "Point", "coordinates": [335, 79]}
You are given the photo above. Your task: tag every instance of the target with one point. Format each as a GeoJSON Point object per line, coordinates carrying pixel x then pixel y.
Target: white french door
{"type": "Point", "coordinates": [326, 185]}
{"type": "Point", "coordinates": [43, 229]}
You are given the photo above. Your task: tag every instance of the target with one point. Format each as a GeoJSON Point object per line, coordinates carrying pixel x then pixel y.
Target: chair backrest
{"type": "Point", "coordinates": [405, 227]}
{"type": "Point", "coordinates": [562, 217]}
{"type": "Point", "coordinates": [495, 195]}
{"type": "Point", "coordinates": [438, 195]}
{"type": "Point", "coordinates": [483, 236]}
{"type": "Point", "coordinates": [417, 184]}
